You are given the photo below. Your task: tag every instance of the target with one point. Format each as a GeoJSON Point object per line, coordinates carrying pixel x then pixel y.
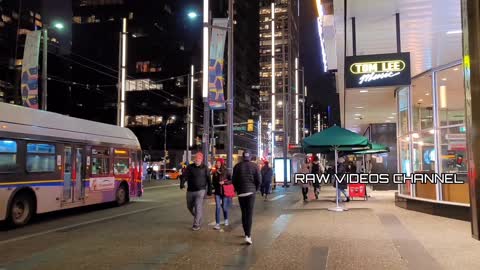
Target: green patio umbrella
{"type": "Point", "coordinates": [375, 149]}
{"type": "Point", "coordinates": [335, 139]}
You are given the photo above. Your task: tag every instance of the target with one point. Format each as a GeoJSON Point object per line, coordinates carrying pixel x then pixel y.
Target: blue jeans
{"type": "Point", "coordinates": [342, 191]}
{"type": "Point", "coordinates": [224, 203]}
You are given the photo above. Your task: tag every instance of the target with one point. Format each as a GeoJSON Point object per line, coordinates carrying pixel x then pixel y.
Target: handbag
{"type": "Point", "coordinates": [228, 190]}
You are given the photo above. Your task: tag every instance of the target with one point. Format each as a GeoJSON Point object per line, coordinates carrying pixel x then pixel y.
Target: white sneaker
{"type": "Point", "coordinates": [216, 227]}
{"type": "Point", "coordinates": [248, 240]}
{"type": "Point", "coordinates": [226, 222]}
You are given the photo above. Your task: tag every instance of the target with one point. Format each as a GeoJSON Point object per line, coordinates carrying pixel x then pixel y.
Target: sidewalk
{"type": "Point", "coordinates": [373, 234]}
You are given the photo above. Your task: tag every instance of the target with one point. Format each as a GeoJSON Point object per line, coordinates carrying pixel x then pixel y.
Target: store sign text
{"type": "Point", "coordinates": [377, 70]}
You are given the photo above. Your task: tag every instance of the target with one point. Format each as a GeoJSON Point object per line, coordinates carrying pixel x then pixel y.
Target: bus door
{"type": "Point", "coordinates": [133, 173]}
{"type": "Point", "coordinates": [79, 176]}
{"type": "Point", "coordinates": [73, 174]}
{"type": "Point", "coordinates": [67, 173]}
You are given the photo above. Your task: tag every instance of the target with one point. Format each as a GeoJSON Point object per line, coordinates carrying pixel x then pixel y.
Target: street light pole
{"type": "Point", "coordinates": [44, 68]}
{"type": "Point", "coordinates": [230, 88]}
{"type": "Point", "coordinates": [187, 155]}
{"type": "Point", "coordinates": [165, 152]}
{"type": "Point", "coordinates": [165, 147]}
{"type": "Point", "coordinates": [206, 51]}
{"type": "Point", "coordinates": [304, 88]}
{"type": "Point", "coordinates": [285, 111]}
{"type": "Point", "coordinates": [122, 74]}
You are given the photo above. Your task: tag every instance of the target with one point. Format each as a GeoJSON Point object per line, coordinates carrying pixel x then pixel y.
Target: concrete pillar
{"type": "Point", "coordinates": [471, 52]}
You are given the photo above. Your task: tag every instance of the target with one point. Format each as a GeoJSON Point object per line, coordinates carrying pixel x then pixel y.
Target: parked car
{"type": "Point", "coordinates": [172, 174]}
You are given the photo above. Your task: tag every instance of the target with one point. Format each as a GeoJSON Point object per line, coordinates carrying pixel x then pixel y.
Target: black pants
{"type": "Point", "coordinates": [265, 188]}
{"type": "Point", "coordinates": [305, 192]}
{"type": "Point", "coordinates": [246, 205]}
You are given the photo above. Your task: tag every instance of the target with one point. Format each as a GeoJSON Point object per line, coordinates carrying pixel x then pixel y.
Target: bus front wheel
{"type": "Point", "coordinates": [21, 209]}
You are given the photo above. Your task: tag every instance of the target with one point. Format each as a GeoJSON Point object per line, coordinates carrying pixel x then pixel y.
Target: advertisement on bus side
{"type": "Point", "coordinates": [102, 183]}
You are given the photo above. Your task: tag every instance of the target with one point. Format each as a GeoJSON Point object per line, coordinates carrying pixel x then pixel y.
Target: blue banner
{"type": "Point", "coordinates": [216, 80]}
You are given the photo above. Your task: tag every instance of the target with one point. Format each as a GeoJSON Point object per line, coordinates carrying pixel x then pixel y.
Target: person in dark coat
{"type": "Point", "coordinates": [305, 169]}
{"type": "Point", "coordinates": [342, 169]}
{"type": "Point", "coordinates": [317, 169]}
{"type": "Point", "coordinates": [219, 179]}
{"type": "Point", "coordinates": [267, 174]}
{"type": "Point", "coordinates": [198, 180]}
{"type": "Point", "coordinates": [246, 180]}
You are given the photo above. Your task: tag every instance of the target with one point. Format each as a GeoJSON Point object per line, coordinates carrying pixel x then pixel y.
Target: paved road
{"type": "Point", "coordinates": [150, 233]}
{"type": "Point", "coordinates": [155, 233]}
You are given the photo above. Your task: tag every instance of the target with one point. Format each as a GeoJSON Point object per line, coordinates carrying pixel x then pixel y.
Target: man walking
{"type": "Point", "coordinates": [267, 174]}
{"type": "Point", "coordinates": [246, 179]}
{"type": "Point", "coordinates": [197, 177]}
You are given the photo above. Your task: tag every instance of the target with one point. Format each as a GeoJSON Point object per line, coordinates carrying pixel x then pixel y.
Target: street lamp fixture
{"type": "Point", "coordinates": [59, 25]}
{"type": "Point", "coordinates": [192, 15]}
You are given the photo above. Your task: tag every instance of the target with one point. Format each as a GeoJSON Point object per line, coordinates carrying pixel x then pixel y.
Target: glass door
{"type": "Point", "coordinates": [67, 173]}
{"type": "Point", "coordinates": [79, 179]}
{"type": "Point", "coordinates": [133, 173]}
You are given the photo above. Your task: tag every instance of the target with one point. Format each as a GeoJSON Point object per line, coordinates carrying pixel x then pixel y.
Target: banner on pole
{"type": "Point", "coordinates": [29, 79]}
{"type": "Point", "coordinates": [216, 98]}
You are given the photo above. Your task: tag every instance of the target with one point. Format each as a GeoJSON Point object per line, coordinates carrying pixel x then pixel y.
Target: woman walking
{"type": "Point", "coordinates": [222, 201]}
{"type": "Point", "coordinates": [305, 169]}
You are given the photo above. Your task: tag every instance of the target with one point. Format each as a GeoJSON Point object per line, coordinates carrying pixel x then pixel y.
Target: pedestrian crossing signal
{"type": "Point", "coordinates": [250, 125]}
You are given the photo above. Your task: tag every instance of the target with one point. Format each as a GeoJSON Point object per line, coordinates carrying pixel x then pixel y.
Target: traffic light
{"type": "Point", "coordinates": [250, 125]}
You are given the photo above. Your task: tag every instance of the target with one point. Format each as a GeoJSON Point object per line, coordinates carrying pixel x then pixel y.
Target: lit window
{"type": "Point", "coordinates": [120, 166]}
{"type": "Point", "coordinates": [77, 19]}
{"type": "Point", "coordinates": [8, 155]}
{"type": "Point", "coordinates": [40, 157]}
{"type": "Point", "coordinates": [100, 162]}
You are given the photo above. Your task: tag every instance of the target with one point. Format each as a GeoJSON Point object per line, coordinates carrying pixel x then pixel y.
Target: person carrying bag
{"type": "Point", "coordinates": [224, 192]}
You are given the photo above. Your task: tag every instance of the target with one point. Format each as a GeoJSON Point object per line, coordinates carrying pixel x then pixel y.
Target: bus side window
{"type": "Point", "coordinates": [121, 164]}
{"type": "Point", "coordinates": [8, 156]}
{"type": "Point", "coordinates": [40, 157]}
{"type": "Point", "coordinates": [100, 163]}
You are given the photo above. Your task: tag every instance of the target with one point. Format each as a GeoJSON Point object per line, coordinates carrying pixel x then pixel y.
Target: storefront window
{"type": "Point", "coordinates": [453, 155]}
{"type": "Point", "coordinates": [405, 162]}
{"type": "Point", "coordinates": [422, 102]}
{"type": "Point", "coordinates": [403, 97]}
{"type": "Point", "coordinates": [437, 135]}
{"type": "Point", "coordinates": [424, 158]}
{"type": "Point", "coordinates": [452, 132]}
{"type": "Point", "coordinates": [451, 96]}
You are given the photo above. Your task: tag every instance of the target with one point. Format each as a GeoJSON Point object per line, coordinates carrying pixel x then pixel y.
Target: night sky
{"type": "Point", "coordinates": [321, 88]}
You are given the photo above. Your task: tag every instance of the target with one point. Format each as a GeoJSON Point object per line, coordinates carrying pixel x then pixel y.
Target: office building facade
{"type": "Point", "coordinates": [281, 77]}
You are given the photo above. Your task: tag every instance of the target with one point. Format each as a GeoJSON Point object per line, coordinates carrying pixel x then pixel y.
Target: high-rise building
{"type": "Point", "coordinates": [281, 81]}
{"type": "Point", "coordinates": [246, 73]}
{"type": "Point", "coordinates": [17, 19]}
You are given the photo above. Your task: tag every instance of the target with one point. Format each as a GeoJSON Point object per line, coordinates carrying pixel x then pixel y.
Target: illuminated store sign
{"type": "Point", "coordinates": [378, 70]}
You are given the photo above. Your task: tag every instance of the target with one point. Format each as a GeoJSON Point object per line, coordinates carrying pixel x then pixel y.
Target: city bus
{"type": "Point", "coordinates": [50, 162]}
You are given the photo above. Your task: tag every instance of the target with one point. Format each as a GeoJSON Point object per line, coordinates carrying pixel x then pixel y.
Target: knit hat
{"type": "Point", "coordinates": [221, 160]}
